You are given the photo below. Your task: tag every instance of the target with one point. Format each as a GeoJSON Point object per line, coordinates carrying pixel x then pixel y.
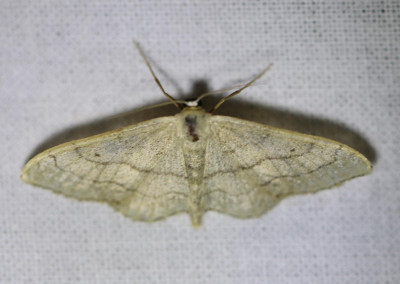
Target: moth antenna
{"type": "Point", "coordinates": [241, 89]}
{"type": "Point", "coordinates": [143, 109]}
{"type": "Point", "coordinates": [155, 77]}
{"type": "Point", "coordinates": [202, 96]}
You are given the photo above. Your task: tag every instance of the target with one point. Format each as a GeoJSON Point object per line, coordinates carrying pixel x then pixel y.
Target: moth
{"type": "Point", "coordinates": [194, 162]}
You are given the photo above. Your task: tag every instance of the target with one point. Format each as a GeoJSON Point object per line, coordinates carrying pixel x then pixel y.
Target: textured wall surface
{"type": "Point", "coordinates": [69, 69]}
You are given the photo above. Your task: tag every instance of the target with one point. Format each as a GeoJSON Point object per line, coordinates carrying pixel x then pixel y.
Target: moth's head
{"type": "Point", "coordinates": [193, 103]}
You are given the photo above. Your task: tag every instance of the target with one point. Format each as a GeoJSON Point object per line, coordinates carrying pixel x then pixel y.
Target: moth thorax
{"type": "Point", "coordinates": [194, 124]}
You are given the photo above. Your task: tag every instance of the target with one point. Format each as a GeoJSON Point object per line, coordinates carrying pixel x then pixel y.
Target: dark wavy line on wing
{"type": "Point", "coordinates": [84, 178]}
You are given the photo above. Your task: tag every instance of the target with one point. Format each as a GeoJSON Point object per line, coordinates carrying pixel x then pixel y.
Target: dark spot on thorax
{"type": "Point", "coordinates": [191, 123]}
